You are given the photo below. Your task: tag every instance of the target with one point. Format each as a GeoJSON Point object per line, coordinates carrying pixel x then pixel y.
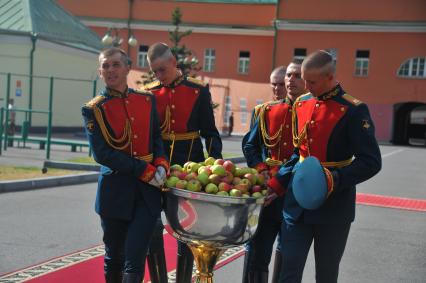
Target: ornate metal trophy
{"type": "Point", "coordinates": [210, 224]}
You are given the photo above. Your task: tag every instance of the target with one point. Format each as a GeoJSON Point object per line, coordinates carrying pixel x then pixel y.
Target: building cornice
{"type": "Point", "coordinates": [158, 26]}
{"type": "Point", "coordinates": [395, 27]}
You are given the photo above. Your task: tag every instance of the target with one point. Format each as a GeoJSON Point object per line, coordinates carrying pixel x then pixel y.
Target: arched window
{"type": "Point", "coordinates": [413, 68]}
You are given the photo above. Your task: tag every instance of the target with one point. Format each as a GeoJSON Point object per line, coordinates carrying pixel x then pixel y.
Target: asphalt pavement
{"type": "Point", "coordinates": [385, 244]}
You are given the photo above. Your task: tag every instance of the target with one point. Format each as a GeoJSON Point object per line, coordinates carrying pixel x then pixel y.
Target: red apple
{"type": "Point", "coordinates": [181, 184]}
{"type": "Point", "coordinates": [224, 187]}
{"type": "Point", "coordinates": [251, 177]}
{"type": "Point", "coordinates": [256, 188]}
{"type": "Point", "coordinates": [215, 179]}
{"type": "Point", "coordinates": [228, 178]}
{"type": "Point", "coordinates": [236, 180]}
{"type": "Point", "coordinates": [219, 162]}
{"type": "Point", "coordinates": [229, 166]}
{"type": "Point", "coordinates": [182, 175]}
{"type": "Point", "coordinates": [191, 176]}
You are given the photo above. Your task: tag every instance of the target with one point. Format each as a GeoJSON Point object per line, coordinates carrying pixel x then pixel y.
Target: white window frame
{"type": "Point", "coordinates": [243, 65]}
{"type": "Point", "coordinates": [361, 67]}
{"type": "Point", "coordinates": [228, 109]}
{"type": "Point", "coordinates": [143, 59]}
{"type": "Point", "coordinates": [243, 111]}
{"type": "Point", "coordinates": [413, 68]}
{"type": "Point", "coordinates": [209, 60]}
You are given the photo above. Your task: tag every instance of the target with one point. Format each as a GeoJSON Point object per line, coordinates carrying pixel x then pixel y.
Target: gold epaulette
{"type": "Point", "coordinates": [352, 99]}
{"type": "Point", "coordinates": [150, 85]}
{"type": "Point", "coordinates": [94, 101]}
{"type": "Point", "coordinates": [196, 81]}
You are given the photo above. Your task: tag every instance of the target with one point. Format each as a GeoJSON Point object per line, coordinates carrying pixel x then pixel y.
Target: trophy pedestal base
{"type": "Point", "coordinates": [205, 259]}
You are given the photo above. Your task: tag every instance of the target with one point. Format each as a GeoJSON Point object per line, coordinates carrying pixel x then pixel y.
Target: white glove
{"type": "Point", "coordinates": [160, 175]}
{"type": "Point", "coordinates": [154, 182]}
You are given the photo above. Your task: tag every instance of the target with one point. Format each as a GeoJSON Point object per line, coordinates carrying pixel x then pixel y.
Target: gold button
{"type": "Point", "coordinates": [299, 104]}
{"type": "Point", "coordinates": [147, 99]}
{"type": "Point", "coordinates": [312, 121]}
{"type": "Point", "coordinates": [317, 105]}
{"type": "Point", "coordinates": [268, 108]}
{"type": "Point", "coordinates": [127, 102]}
{"type": "Point", "coordinates": [311, 140]}
{"type": "Point", "coordinates": [135, 136]}
{"type": "Point", "coordinates": [287, 126]}
{"type": "Point", "coordinates": [173, 91]}
{"type": "Point", "coordinates": [342, 109]}
{"type": "Point", "coordinates": [196, 91]}
{"type": "Point", "coordinates": [134, 153]}
{"type": "Point", "coordinates": [173, 121]}
{"type": "Point", "coordinates": [285, 144]}
{"type": "Point", "coordinates": [285, 160]}
{"type": "Point", "coordinates": [172, 132]}
{"type": "Point", "coordinates": [132, 118]}
{"type": "Point", "coordinates": [173, 106]}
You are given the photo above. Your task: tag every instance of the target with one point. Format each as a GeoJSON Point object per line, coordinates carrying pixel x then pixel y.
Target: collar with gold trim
{"type": "Point", "coordinates": [116, 93]}
{"type": "Point", "coordinates": [335, 91]}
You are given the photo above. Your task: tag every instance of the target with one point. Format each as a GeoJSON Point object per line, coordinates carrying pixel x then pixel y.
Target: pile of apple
{"type": "Point", "coordinates": [217, 176]}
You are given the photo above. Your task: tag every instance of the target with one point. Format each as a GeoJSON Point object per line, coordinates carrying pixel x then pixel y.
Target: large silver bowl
{"type": "Point", "coordinates": [216, 221]}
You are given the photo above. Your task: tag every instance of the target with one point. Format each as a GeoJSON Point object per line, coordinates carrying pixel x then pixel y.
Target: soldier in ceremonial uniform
{"type": "Point", "coordinates": [337, 129]}
{"type": "Point", "coordinates": [271, 133]}
{"type": "Point", "coordinates": [123, 129]}
{"type": "Point", "coordinates": [186, 114]}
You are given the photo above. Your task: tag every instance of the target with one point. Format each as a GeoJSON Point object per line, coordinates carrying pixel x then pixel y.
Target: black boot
{"type": "Point", "coordinates": [185, 261]}
{"type": "Point", "coordinates": [132, 278]}
{"type": "Point", "coordinates": [277, 267]}
{"type": "Point", "coordinates": [156, 257]}
{"type": "Point", "coordinates": [258, 277]}
{"type": "Point", "coordinates": [245, 269]}
{"type": "Point", "coordinates": [113, 276]}
{"type": "Point", "coordinates": [157, 267]}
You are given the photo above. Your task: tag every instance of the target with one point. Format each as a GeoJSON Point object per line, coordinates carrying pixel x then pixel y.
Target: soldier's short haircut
{"type": "Point", "coordinates": [158, 50]}
{"type": "Point", "coordinates": [319, 60]}
{"type": "Point", "coordinates": [279, 72]}
{"type": "Point", "coordinates": [110, 51]}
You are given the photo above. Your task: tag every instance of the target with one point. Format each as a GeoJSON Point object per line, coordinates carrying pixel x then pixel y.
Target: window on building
{"type": "Point", "coordinates": [244, 62]}
{"type": "Point", "coordinates": [299, 53]}
{"type": "Point", "coordinates": [413, 68]}
{"type": "Point", "coordinates": [209, 60]}
{"type": "Point", "coordinates": [228, 109]}
{"type": "Point", "coordinates": [362, 62]}
{"type": "Point", "coordinates": [243, 109]}
{"type": "Point", "coordinates": [142, 56]}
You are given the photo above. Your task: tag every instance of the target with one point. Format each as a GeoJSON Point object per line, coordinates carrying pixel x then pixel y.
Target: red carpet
{"type": "Point", "coordinates": [87, 266]}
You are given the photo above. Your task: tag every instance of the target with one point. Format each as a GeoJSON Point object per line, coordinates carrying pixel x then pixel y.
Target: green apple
{"type": "Point", "coordinates": [176, 167]}
{"type": "Point", "coordinates": [257, 195]}
{"type": "Point", "coordinates": [210, 161]}
{"type": "Point", "coordinates": [222, 193]}
{"type": "Point", "coordinates": [205, 170]}
{"type": "Point", "coordinates": [264, 192]}
{"type": "Point", "coordinates": [245, 195]}
{"type": "Point", "coordinates": [235, 193]}
{"type": "Point", "coordinates": [211, 188]}
{"type": "Point", "coordinates": [171, 181]}
{"type": "Point", "coordinates": [203, 178]}
{"type": "Point", "coordinates": [218, 170]}
{"type": "Point", "coordinates": [193, 185]}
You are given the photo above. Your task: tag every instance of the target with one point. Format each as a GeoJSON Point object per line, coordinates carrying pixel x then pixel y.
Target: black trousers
{"type": "Point", "coordinates": [329, 246]}
{"type": "Point", "coordinates": [126, 242]}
